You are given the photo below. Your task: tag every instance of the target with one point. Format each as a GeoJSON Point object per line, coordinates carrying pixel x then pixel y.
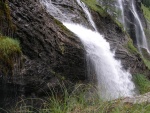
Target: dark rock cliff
{"type": "Point", "coordinates": [50, 51]}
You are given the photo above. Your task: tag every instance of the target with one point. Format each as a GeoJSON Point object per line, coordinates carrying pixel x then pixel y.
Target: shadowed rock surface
{"type": "Point", "coordinates": [49, 48]}
{"type": "Point", "coordinates": [52, 53]}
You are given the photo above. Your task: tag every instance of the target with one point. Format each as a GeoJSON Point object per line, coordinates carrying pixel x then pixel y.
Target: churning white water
{"type": "Point", "coordinates": [140, 35]}
{"type": "Point", "coordinates": [113, 81]}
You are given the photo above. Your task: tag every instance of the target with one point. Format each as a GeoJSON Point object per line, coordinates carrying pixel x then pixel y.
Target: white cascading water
{"type": "Point", "coordinates": [140, 35]}
{"type": "Point", "coordinates": [113, 81]}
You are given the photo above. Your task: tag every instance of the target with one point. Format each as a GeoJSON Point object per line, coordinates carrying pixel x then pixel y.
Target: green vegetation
{"type": "Point", "coordinates": [5, 13]}
{"type": "Point", "coordinates": [96, 7]}
{"type": "Point", "coordinates": [143, 84]}
{"type": "Point", "coordinates": [146, 12]}
{"type": "Point", "coordinates": [81, 100]}
{"type": "Point", "coordinates": [131, 47]}
{"type": "Point", "coordinates": [147, 63]}
{"type": "Point", "coordinates": [9, 49]}
{"type": "Point", "coordinates": [102, 11]}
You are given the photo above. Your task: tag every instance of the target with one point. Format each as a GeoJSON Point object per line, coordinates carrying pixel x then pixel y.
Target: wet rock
{"type": "Point", "coordinates": [49, 49]}
{"type": "Point", "coordinates": [145, 98]}
{"type": "Point", "coordinates": [119, 43]}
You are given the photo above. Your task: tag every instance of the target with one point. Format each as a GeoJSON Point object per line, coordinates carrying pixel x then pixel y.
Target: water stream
{"type": "Point", "coordinates": [113, 81]}
{"type": "Point", "coordinates": [121, 10]}
{"type": "Point", "coordinates": [139, 30]}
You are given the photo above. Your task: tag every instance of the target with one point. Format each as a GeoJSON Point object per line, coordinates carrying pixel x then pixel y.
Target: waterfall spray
{"type": "Point", "coordinates": [113, 81]}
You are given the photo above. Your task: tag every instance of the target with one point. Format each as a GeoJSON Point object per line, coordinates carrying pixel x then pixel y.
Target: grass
{"type": "Point", "coordinates": [142, 83]}
{"type": "Point", "coordinates": [9, 49]}
{"type": "Point", "coordinates": [131, 47]}
{"type": "Point", "coordinates": [96, 7]}
{"type": "Point", "coordinates": [146, 12]}
{"type": "Point", "coordinates": [9, 46]}
{"type": "Point", "coordinates": [147, 63]}
{"type": "Point", "coordinates": [81, 100]}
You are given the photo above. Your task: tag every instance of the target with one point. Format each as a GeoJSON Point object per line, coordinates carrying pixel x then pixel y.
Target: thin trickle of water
{"type": "Point", "coordinates": [121, 8]}
{"type": "Point", "coordinates": [140, 35]}
{"type": "Point", "coordinates": [53, 10]}
{"type": "Point", "coordinates": [113, 82]}
{"type": "Point", "coordinates": [85, 9]}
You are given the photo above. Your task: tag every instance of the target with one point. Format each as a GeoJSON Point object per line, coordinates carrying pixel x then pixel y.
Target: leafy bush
{"type": "Point", "coordinates": [146, 12]}
{"type": "Point", "coordinates": [143, 84]}
{"type": "Point", "coordinates": [9, 50]}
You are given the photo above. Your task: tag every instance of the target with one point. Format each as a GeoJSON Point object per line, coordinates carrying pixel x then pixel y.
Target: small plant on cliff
{"type": "Point", "coordinates": [9, 49]}
{"type": "Point", "coordinates": [143, 84]}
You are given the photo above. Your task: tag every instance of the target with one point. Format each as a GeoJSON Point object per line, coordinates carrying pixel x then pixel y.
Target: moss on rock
{"type": "Point", "coordinates": [131, 47]}
{"type": "Point", "coordinates": [9, 51]}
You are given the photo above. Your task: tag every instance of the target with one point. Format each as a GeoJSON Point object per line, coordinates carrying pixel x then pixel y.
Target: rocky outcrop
{"type": "Point", "coordinates": [50, 51]}
{"type": "Point", "coordinates": [120, 43]}
{"type": "Point", "coordinates": [66, 11]}
{"type": "Point", "coordinates": [145, 98]}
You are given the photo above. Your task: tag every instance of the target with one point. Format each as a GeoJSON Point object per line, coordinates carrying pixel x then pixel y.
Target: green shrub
{"type": "Point", "coordinates": [142, 83]}
{"type": "Point", "coordinates": [96, 7]}
{"type": "Point", "coordinates": [147, 63]}
{"type": "Point", "coordinates": [131, 47]}
{"type": "Point", "coordinates": [9, 50]}
{"type": "Point", "coordinates": [83, 99]}
{"type": "Point", "coordinates": [146, 12]}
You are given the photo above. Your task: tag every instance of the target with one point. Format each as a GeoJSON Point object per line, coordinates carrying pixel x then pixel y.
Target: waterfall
{"type": "Point", "coordinates": [85, 9]}
{"type": "Point", "coordinates": [53, 10]}
{"type": "Point", "coordinates": [139, 30]}
{"type": "Point", "coordinates": [121, 8]}
{"type": "Point", "coordinates": [113, 81]}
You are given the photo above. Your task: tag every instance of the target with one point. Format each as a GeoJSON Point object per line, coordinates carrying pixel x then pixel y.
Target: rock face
{"type": "Point", "coordinates": [66, 11]}
{"type": "Point", "coordinates": [145, 98]}
{"type": "Point", "coordinates": [49, 50]}
{"type": "Point", "coordinates": [119, 42]}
